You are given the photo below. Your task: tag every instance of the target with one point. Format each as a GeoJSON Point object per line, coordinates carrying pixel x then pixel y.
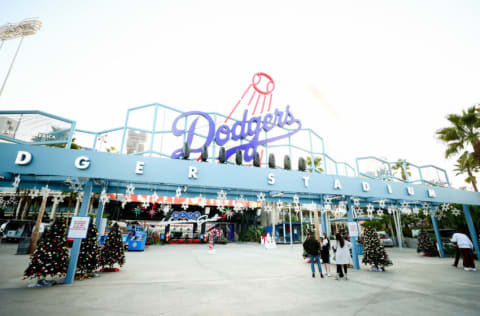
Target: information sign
{"type": "Point", "coordinates": [79, 227]}
{"type": "Point", "coordinates": [352, 229]}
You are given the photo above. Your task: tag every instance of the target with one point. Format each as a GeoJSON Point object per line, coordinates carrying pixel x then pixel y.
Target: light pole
{"type": "Point", "coordinates": [15, 30]}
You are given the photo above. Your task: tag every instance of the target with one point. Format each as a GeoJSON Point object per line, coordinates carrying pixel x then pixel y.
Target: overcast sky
{"type": "Point", "coordinates": [371, 77]}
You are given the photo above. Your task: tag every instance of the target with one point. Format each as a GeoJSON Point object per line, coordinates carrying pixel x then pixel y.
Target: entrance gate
{"type": "Point", "coordinates": [326, 186]}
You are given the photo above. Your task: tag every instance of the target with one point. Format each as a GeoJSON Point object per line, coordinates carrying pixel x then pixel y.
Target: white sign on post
{"type": "Point", "coordinates": [78, 227]}
{"type": "Point", "coordinates": [101, 229]}
{"type": "Point", "coordinates": [352, 229]}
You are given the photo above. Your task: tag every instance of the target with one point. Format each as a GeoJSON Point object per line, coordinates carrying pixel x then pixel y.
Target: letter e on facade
{"type": "Point", "coordinates": [139, 167]}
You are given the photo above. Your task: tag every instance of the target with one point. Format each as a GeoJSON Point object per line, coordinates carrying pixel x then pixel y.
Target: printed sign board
{"type": "Point", "coordinates": [78, 227]}
{"type": "Point", "coordinates": [352, 229]}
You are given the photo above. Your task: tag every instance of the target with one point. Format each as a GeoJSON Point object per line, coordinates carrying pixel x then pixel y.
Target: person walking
{"type": "Point", "coordinates": [342, 256]}
{"type": "Point", "coordinates": [312, 248]}
{"type": "Point", "coordinates": [465, 246]}
{"type": "Point", "coordinates": [325, 253]}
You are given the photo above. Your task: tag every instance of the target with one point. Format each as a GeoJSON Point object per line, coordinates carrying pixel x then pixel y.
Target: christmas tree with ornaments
{"type": "Point", "coordinates": [89, 258]}
{"type": "Point", "coordinates": [373, 251]}
{"type": "Point", "coordinates": [426, 245]}
{"type": "Point", "coordinates": [112, 252]}
{"type": "Point", "coordinates": [51, 256]}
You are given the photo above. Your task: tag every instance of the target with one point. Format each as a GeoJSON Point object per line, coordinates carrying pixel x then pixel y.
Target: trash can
{"type": "Point", "coordinates": [23, 246]}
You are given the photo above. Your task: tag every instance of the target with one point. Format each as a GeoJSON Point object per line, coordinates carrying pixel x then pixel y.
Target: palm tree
{"type": "Point", "coordinates": [317, 161]}
{"type": "Point", "coordinates": [467, 163]}
{"type": "Point", "coordinates": [399, 166]}
{"type": "Point", "coordinates": [464, 131]}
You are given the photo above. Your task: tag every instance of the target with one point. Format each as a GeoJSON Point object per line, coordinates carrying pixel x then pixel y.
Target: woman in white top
{"type": "Point", "coordinates": [342, 255]}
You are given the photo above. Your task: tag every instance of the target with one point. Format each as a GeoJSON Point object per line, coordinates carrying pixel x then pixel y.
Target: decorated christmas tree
{"type": "Point", "coordinates": [112, 252]}
{"type": "Point", "coordinates": [426, 245]}
{"type": "Point", "coordinates": [373, 250]}
{"type": "Point", "coordinates": [89, 258]}
{"type": "Point", "coordinates": [51, 256]}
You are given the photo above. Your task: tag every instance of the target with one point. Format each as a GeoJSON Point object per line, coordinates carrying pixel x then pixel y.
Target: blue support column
{"type": "Point", "coordinates": [324, 218]}
{"type": "Point", "coordinates": [72, 265]}
{"type": "Point", "coordinates": [356, 264]}
{"type": "Point", "coordinates": [471, 228]}
{"type": "Point", "coordinates": [437, 233]}
{"type": "Point", "coordinates": [98, 218]}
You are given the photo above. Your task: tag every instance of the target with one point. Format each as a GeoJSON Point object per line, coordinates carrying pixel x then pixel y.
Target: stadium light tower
{"type": "Point", "coordinates": [15, 30]}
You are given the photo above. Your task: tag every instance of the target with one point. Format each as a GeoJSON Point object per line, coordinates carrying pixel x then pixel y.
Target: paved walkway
{"type": "Point", "coordinates": [244, 279]}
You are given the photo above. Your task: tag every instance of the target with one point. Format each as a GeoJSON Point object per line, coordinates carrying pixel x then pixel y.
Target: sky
{"type": "Point", "coordinates": [373, 78]}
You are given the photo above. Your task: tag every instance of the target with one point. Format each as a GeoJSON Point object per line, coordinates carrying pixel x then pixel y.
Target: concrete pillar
{"type": "Point", "coordinates": [17, 212]}
{"type": "Point", "coordinates": [36, 231]}
{"type": "Point", "coordinates": [77, 206]}
{"type": "Point", "coordinates": [317, 224]}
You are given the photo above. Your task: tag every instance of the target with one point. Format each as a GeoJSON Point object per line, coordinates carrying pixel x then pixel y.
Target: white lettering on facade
{"type": "Point", "coordinates": [337, 185]}
{"type": "Point", "coordinates": [432, 193]}
{"type": "Point", "coordinates": [82, 162]}
{"type": "Point", "coordinates": [389, 189]}
{"type": "Point", "coordinates": [23, 158]}
{"type": "Point", "coordinates": [271, 178]}
{"type": "Point", "coordinates": [410, 191]}
{"type": "Point", "coordinates": [365, 186]}
{"type": "Point", "coordinates": [307, 181]}
{"type": "Point", "coordinates": [192, 172]}
{"type": "Point", "coordinates": [139, 168]}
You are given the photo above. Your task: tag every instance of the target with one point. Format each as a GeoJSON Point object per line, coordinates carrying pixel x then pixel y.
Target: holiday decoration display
{"type": "Point", "coordinates": [261, 197]}
{"type": "Point", "coordinates": [221, 195]}
{"type": "Point", "coordinates": [104, 199]}
{"type": "Point", "coordinates": [212, 235]}
{"type": "Point", "coordinates": [89, 257]}
{"type": "Point", "coordinates": [373, 251]}
{"type": "Point", "coordinates": [137, 211]}
{"type": "Point", "coordinates": [268, 208]}
{"type": "Point", "coordinates": [426, 245]}
{"type": "Point", "coordinates": [51, 256]}
{"type": "Point", "coordinates": [16, 182]}
{"type": "Point", "coordinates": [178, 192]}
{"type": "Point", "coordinates": [112, 252]}
{"type": "Point", "coordinates": [370, 210]}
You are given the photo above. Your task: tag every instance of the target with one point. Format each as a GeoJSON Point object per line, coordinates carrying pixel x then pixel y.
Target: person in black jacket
{"type": "Point", "coordinates": [312, 248]}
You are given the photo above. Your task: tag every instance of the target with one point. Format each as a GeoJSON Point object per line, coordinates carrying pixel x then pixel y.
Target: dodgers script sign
{"type": "Point", "coordinates": [239, 130]}
{"type": "Point", "coordinates": [248, 128]}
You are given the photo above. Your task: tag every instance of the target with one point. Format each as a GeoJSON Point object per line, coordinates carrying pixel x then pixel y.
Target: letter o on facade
{"type": "Point", "coordinates": [82, 162]}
